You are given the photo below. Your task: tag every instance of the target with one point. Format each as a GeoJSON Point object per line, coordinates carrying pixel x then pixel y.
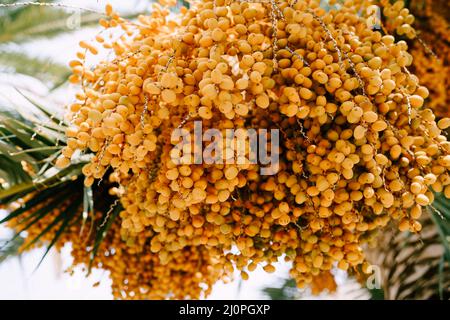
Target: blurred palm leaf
{"type": "Point", "coordinates": [24, 22]}
{"type": "Point", "coordinates": [29, 146]}
{"type": "Point", "coordinates": [442, 221]}
{"type": "Point", "coordinates": [417, 266]}
{"type": "Point", "coordinates": [287, 291]}
{"type": "Point", "coordinates": [413, 266]}
{"type": "Point", "coordinates": [31, 141]}
{"type": "Point", "coordinates": [29, 22]}
{"type": "Point", "coordinates": [10, 248]}
{"type": "Point", "coordinates": [349, 289]}
{"type": "Point", "coordinates": [42, 69]}
{"type": "Point", "coordinates": [28, 149]}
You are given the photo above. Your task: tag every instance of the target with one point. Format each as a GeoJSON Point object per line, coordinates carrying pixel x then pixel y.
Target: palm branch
{"type": "Point", "coordinates": [43, 69]}
{"type": "Point", "coordinates": [21, 23]}
{"type": "Point", "coordinates": [286, 291]}
{"type": "Point", "coordinates": [27, 22]}
{"type": "Point", "coordinates": [10, 248]}
{"type": "Point", "coordinates": [29, 146]}
{"type": "Point", "coordinates": [413, 266]}
{"type": "Point", "coordinates": [417, 266]}
{"type": "Point", "coordinates": [31, 141]}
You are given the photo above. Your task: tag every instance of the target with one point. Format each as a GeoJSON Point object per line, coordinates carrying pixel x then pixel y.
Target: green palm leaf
{"type": "Point", "coordinates": [23, 140]}
{"type": "Point", "coordinates": [107, 221]}
{"type": "Point", "coordinates": [287, 291]}
{"type": "Point", "coordinates": [42, 69]}
{"type": "Point", "coordinates": [416, 266]}
{"type": "Point", "coordinates": [23, 23]}
{"type": "Point", "coordinates": [11, 249]}
{"type": "Point", "coordinates": [64, 218]}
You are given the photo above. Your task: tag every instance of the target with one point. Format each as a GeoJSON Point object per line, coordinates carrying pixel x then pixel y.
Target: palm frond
{"type": "Point", "coordinates": [416, 266]}
{"type": "Point", "coordinates": [107, 221]}
{"type": "Point", "coordinates": [24, 149]}
{"type": "Point", "coordinates": [50, 115]}
{"type": "Point", "coordinates": [63, 220]}
{"type": "Point", "coordinates": [42, 69]}
{"type": "Point", "coordinates": [28, 22]}
{"type": "Point", "coordinates": [349, 288]}
{"type": "Point", "coordinates": [287, 291]}
{"type": "Point", "coordinates": [28, 149]}
{"type": "Point", "coordinates": [441, 206]}
{"type": "Point", "coordinates": [31, 22]}
{"type": "Point", "coordinates": [10, 248]}
{"type": "Point", "coordinates": [27, 222]}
